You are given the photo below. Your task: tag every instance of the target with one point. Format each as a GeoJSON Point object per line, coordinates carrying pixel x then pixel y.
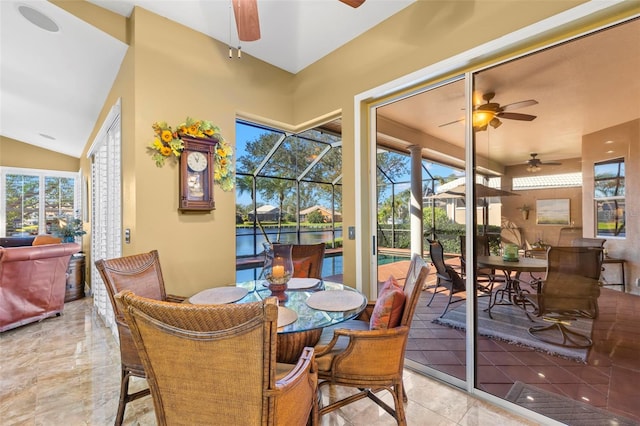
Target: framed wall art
{"type": "Point", "coordinates": [553, 212]}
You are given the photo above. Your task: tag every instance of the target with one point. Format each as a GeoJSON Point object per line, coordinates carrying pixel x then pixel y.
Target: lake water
{"type": "Point", "coordinates": [330, 266]}
{"type": "Point", "coordinates": [248, 245]}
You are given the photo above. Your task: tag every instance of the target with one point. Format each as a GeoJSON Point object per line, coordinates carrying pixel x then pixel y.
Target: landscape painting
{"type": "Point", "coordinates": [553, 212]}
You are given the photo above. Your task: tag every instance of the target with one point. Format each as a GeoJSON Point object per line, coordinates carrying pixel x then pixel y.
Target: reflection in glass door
{"type": "Point", "coordinates": [436, 344]}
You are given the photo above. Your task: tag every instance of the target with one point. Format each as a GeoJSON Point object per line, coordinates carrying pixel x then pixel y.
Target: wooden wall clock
{"type": "Point", "coordinates": [196, 174]}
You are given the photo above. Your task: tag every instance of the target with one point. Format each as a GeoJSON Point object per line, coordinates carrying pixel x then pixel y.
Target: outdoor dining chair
{"type": "Point", "coordinates": [487, 275]}
{"type": "Point", "coordinates": [569, 291]}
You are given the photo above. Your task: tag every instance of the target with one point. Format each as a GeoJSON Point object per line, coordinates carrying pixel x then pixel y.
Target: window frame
{"type": "Point", "coordinates": [42, 175]}
{"type": "Point", "coordinates": [600, 201]}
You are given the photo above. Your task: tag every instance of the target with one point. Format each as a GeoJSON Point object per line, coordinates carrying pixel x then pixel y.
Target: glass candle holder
{"type": "Point", "coordinates": [278, 268]}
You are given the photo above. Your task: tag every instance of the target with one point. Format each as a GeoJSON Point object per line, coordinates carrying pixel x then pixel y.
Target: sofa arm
{"type": "Point", "coordinates": [16, 254]}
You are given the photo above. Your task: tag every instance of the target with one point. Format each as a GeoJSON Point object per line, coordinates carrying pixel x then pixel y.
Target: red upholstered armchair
{"type": "Point", "coordinates": [32, 282]}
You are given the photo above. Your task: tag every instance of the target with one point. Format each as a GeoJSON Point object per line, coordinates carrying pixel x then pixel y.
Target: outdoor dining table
{"type": "Point", "coordinates": [303, 316]}
{"type": "Point", "coordinates": [511, 292]}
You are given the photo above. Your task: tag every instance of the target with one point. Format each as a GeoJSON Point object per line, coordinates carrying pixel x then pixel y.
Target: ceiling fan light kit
{"type": "Point", "coordinates": [534, 163]}
{"type": "Point", "coordinates": [490, 113]}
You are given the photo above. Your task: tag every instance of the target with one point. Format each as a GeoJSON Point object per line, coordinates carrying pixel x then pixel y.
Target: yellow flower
{"type": "Point", "coordinates": [167, 136]}
{"type": "Point", "coordinates": [168, 144]}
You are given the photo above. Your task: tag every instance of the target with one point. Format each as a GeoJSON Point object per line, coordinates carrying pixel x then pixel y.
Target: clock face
{"type": "Point", "coordinates": [197, 161]}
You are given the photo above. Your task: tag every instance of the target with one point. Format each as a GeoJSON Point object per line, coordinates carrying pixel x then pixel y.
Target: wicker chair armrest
{"type": "Point", "coordinates": [175, 298]}
{"type": "Point", "coordinates": [296, 393]}
{"type": "Point", "coordinates": [371, 353]}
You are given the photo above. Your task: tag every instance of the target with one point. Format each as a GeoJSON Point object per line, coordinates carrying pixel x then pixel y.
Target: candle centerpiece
{"type": "Point", "coordinates": [278, 269]}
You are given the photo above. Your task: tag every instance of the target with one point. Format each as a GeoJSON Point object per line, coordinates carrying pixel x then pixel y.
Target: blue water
{"type": "Point", "coordinates": [330, 266]}
{"type": "Point", "coordinates": [248, 245]}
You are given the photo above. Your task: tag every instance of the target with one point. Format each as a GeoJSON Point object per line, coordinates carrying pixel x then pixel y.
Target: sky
{"type": "Point", "coordinates": [246, 133]}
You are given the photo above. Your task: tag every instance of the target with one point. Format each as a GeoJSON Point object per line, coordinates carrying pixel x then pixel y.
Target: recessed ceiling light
{"type": "Point", "coordinates": [38, 19]}
{"type": "Point", "coordinates": [44, 135]}
{"type": "Point", "coordinates": [608, 142]}
{"type": "Point", "coordinates": [610, 151]}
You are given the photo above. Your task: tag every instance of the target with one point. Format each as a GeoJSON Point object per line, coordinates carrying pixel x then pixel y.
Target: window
{"type": "Point", "coordinates": [609, 198]}
{"type": "Point", "coordinates": [280, 179]}
{"type": "Point", "coordinates": [32, 198]}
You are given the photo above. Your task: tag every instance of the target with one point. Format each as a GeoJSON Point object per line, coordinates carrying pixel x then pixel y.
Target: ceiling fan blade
{"type": "Point", "coordinates": [353, 3]}
{"type": "Point", "coordinates": [516, 116]}
{"type": "Point", "coordinates": [451, 122]}
{"type": "Point", "coordinates": [247, 22]}
{"type": "Point", "coordinates": [521, 104]}
{"type": "Point", "coordinates": [551, 163]}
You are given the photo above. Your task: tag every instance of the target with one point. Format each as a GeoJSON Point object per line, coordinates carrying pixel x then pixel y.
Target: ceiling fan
{"type": "Point", "coordinates": [248, 23]}
{"type": "Point", "coordinates": [534, 163]}
{"type": "Point", "coordinates": [490, 113]}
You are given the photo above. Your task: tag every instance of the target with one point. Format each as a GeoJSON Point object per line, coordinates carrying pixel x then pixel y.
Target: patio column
{"type": "Point", "coordinates": [415, 207]}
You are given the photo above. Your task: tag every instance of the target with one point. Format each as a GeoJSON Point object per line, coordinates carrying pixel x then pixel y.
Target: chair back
{"type": "Point", "coordinates": [572, 278]}
{"type": "Point", "coordinates": [139, 273]}
{"type": "Point", "coordinates": [206, 364]}
{"type": "Point", "coordinates": [588, 242]}
{"type": "Point", "coordinates": [416, 276]}
{"type": "Point", "coordinates": [447, 276]}
{"type": "Point", "coordinates": [567, 235]}
{"type": "Point", "coordinates": [482, 246]}
{"type": "Point", "coordinates": [307, 260]}
{"type": "Point", "coordinates": [436, 253]}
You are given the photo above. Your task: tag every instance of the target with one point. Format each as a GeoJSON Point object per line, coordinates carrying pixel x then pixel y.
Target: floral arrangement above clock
{"type": "Point", "coordinates": [168, 144]}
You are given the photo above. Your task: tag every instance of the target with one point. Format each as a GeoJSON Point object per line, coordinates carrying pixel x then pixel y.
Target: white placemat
{"type": "Point", "coordinates": [218, 295]}
{"type": "Point", "coordinates": [286, 316]}
{"type": "Point", "coordinates": [335, 300]}
{"type": "Point", "coordinates": [300, 283]}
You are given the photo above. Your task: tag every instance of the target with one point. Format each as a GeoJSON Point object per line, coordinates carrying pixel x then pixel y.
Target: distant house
{"type": "Point", "coordinates": [267, 213]}
{"type": "Point", "coordinates": [326, 214]}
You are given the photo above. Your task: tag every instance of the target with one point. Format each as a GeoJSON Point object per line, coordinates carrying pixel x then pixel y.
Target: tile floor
{"type": "Point", "coordinates": [608, 380]}
{"type": "Point", "coordinates": [66, 371]}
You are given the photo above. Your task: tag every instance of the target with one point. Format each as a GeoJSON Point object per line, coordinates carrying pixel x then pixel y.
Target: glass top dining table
{"type": "Point", "coordinates": [300, 322]}
{"type": "Point", "coordinates": [308, 318]}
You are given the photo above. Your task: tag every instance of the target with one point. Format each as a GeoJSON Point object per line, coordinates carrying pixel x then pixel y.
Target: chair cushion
{"type": "Point", "coordinates": [387, 312]}
{"type": "Point", "coordinates": [43, 239]}
{"type": "Point", "coordinates": [302, 267]}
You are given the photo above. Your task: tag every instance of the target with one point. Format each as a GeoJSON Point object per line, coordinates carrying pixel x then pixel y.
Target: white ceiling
{"type": "Point", "coordinates": [55, 84]}
{"type": "Point", "coordinates": [581, 87]}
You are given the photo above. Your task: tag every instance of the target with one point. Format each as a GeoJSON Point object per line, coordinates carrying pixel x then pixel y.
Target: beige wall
{"type": "Point", "coordinates": [171, 71]}
{"type": "Point", "coordinates": [531, 231]}
{"type": "Point", "coordinates": [14, 153]}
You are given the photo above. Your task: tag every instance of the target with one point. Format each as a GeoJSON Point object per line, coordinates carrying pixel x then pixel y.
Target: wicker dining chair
{"type": "Point", "coordinates": [216, 364]}
{"type": "Point", "coordinates": [140, 273]}
{"type": "Point", "coordinates": [356, 354]}
{"type": "Point", "coordinates": [307, 260]}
